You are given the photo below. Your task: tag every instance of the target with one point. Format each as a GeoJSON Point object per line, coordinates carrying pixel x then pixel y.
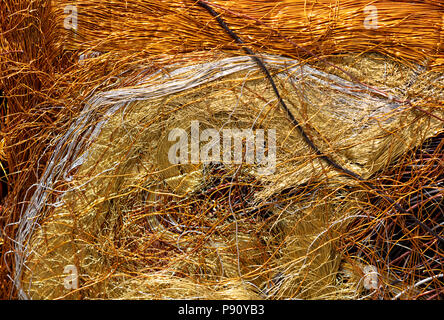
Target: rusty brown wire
{"type": "Point", "coordinates": [39, 74]}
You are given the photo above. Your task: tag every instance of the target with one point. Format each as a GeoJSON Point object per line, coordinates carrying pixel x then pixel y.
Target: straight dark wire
{"type": "Point", "coordinates": [301, 131]}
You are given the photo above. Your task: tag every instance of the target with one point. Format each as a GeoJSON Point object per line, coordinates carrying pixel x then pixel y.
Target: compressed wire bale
{"type": "Point", "coordinates": [111, 204]}
{"type": "Point", "coordinates": [47, 140]}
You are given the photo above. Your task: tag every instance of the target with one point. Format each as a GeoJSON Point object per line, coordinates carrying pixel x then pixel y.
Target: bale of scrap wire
{"type": "Point", "coordinates": [122, 214]}
{"type": "Point", "coordinates": [218, 242]}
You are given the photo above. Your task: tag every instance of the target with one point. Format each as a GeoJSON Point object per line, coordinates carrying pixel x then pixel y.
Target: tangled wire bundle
{"type": "Point", "coordinates": [350, 109]}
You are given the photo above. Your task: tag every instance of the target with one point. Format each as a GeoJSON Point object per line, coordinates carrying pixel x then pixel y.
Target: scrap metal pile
{"type": "Point", "coordinates": [252, 149]}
